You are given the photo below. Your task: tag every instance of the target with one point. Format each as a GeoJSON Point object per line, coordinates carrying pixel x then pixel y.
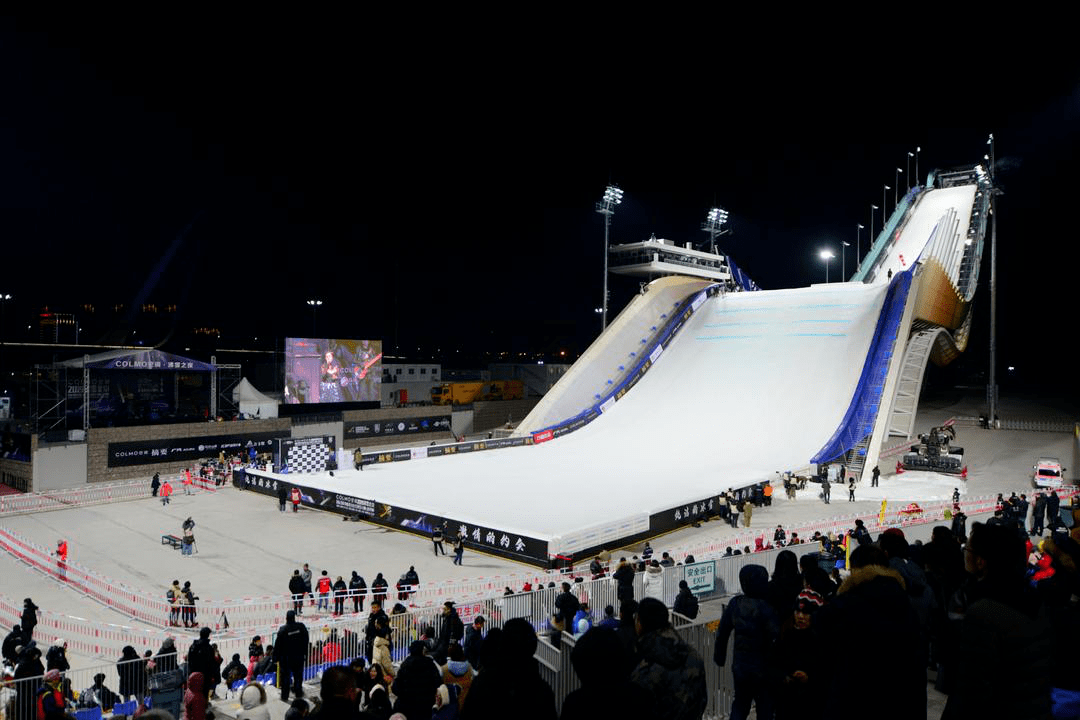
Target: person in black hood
{"type": "Point", "coordinates": [13, 640]}
{"type": "Point", "coordinates": [511, 685]}
{"type": "Point", "coordinates": [756, 627]}
{"type": "Point", "coordinates": [786, 583]}
{"type": "Point", "coordinates": [29, 618]}
{"type": "Point", "coordinates": [357, 590]}
{"type": "Point", "coordinates": [873, 602]}
{"type": "Point", "coordinates": [132, 673]}
{"type": "Point", "coordinates": [290, 652]}
{"type": "Point", "coordinates": [670, 671]}
{"type": "Point", "coordinates": [27, 681]}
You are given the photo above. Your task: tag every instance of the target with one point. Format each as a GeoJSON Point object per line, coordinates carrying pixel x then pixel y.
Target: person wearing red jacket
{"type": "Point", "coordinates": [323, 586]}
{"type": "Point", "coordinates": [166, 491]}
{"type": "Point", "coordinates": [295, 496]}
{"type": "Point", "coordinates": [61, 558]}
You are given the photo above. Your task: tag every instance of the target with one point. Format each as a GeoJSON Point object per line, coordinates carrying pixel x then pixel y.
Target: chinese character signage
{"type": "Point", "coordinates": [701, 577]}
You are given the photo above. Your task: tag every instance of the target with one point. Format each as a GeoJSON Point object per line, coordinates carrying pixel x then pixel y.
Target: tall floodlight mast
{"type": "Point", "coordinates": [714, 226]}
{"type": "Point", "coordinates": [606, 207]}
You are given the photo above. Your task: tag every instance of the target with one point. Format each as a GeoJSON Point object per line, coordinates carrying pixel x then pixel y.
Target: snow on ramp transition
{"type": "Point", "coordinates": [753, 383]}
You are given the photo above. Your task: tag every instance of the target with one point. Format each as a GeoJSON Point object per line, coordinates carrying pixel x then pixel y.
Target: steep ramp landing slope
{"type": "Point", "coordinates": [752, 384]}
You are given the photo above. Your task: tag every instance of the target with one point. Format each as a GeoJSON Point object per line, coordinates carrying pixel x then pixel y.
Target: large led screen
{"type": "Point", "coordinates": [332, 371]}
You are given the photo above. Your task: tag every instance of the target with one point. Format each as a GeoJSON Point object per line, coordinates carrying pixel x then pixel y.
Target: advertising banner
{"type": "Point", "coordinates": [477, 538]}
{"type": "Point", "coordinates": [400, 426]}
{"type": "Point", "coordinates": [681, 515]}
{"type": "Point", "coordinates": [147, 452]}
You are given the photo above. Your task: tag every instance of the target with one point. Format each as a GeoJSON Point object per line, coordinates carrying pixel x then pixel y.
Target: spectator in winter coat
{"type": "Point", "coordinates": [253, 700]}
{"type": "Point", "coordinates": [29, 619]}
{"type": "Point", "coordinates": [255, 653]}
{"type": "Point", "coordinates": [290, 652]}
{"type": "Point", "coordinates": [686, 603]}
{"type": "Point", "coordinates": [582, 621]}
{"type": "Point", "coordinates": [380, 654]}
{"type": "Point", "coordinates": [799, 660]}
{"type": "Point", "coordinates": [378, 589]}
{"type": "Point", "coordinates": [748, 512]}
{"type": "Point", "coordinates": [235, 670]}
{"type": "Point", "coordinates": [13, 640]}
{"type": "Point", "coordinates": [786, 583]}
{"type": "Point", "coordinates": [601, 664]}
{"type": "Point", "coordinates": [566, 606]}
{"type": "Point", "coordinates": [997, 615]}
{"type": "Point", "coordinates": [451, 630]}
{"type": "Point", "coordinates": [166, 660]}
{"type": "Point", "coordinates": [653, 582]}
{"type": "Point", "coordinates": [474, 640]}
{"type": "Point", "coordinates": [357, 590]}
{"type": "Point", "coordinates": [458, 671]}
{"type": "Point", "coordinates": [297, 590]}
{"type": "Point", "coordinates": [416, 681]}
{"type": "Point", "coordinates": [49, 701]}
{"type": "Point", "coordinates": [512, 679]}
{"type": "Point", "coordinates": [873, 603]}
{"type": "Point", "coordinates": [1053, 514]}
{"type": "Point", "coordinates": [755, 625]}
{"type": "Point", "coordinates": [374, 616]}
{"type": "Point", "coordinates": [26, 673]}
{"type": "Point", "coordinates": [340, 591]}
{"type": "Point", "coordinates": [200, 656]}
{"type": "Point", "coordinates": [624, 578]}
{"type": "Point", "coordinates": [609, 620]}
{"type": "Point", "coordinates": [195, 701]}
{"type": "Point", "coordinates": [670, 670]}
{"type": "Point", "coordinates": [132, 673]}
{"type": "Point", "coordinates": [97, 695]}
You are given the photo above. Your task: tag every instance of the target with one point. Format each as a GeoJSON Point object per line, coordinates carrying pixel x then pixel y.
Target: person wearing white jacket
{"type": "Point", "coordinates": [253, 700]}
{"type": "Point", "coordinates": [653, 582]}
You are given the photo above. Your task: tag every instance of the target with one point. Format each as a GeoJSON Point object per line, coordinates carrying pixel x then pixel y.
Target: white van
{"type": "Point", "coordinates": [1048, 472]}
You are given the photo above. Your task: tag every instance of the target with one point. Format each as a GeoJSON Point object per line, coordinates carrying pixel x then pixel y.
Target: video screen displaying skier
{"type": "Point", "coordinates": [333, 370]}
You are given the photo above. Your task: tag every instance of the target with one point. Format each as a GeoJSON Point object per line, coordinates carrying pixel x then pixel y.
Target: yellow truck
{"type": "Point", "coordinates": [463, 393]}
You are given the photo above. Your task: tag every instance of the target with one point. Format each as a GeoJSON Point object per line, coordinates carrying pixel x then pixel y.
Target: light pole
{"type": "Point", "coordinates": [826, 255]}
{"type": "Point", "coordinates": [314, 312]}
{"type": "Point", "coordinates": [858, 245]}
{"type": "Point", "coordinates": [872, 209]}
{"type": "Point", "coordinates": [606, 207]}
{"type": "Point", "coordinates": [908, 167]}
{"type": "Point", "coordinates": [917, 151]}
{"type": "Point", "coordinates": [843, 260]}
{"type": "Point", "coordinates": [4, 297]}
{"type": "Point", "coordinates": [714, 223]}
{"type": "Point", "coordinates": [884, 207]}
{"type": "Point", "coordinates": [896, 189]}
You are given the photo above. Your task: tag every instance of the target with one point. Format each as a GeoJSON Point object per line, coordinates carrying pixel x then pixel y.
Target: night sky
{"type": "Point", "coordinates": [438, 193]}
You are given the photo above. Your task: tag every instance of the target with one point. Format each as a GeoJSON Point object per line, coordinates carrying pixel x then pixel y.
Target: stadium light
{"type": "Point", "coordinates": [714, 225]}
{"type": "Point", "coordinates": [896, 189]}
{"type": "Point", "coordinates": [843, 260]}
{"type": "Point", "coordinates": [884, 210]}
{"type": "Point", "coordinates": [315, 303]}
{"type": "Point", "coordinates": [606, 207]}
{"type": "Point", "coordinates": [826, 255]}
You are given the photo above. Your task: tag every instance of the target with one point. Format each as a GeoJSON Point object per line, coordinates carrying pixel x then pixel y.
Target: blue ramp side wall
{"type": "Point", "coordinates": [859, 419]}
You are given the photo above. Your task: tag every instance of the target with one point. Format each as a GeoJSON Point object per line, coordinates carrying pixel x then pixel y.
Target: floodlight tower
{"type": "Point", "coordinates": [606, 207]}
{"type": "Point", "coordinates": [714, 225]}
{"type": "Point", "coordinates": [826, 255]}
{"type": "Point", "coordinates": [314, 313]}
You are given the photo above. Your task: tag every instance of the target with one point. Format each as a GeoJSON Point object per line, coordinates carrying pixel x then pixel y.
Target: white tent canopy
{"type": "Point", "coordinates": [252, 402]}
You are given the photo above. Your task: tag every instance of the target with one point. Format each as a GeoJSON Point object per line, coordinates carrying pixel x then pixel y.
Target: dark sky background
{"type": "Point", "coordinates": [438, 193]}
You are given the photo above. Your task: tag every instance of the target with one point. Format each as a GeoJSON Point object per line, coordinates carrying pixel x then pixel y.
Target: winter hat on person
{"type": "Point", "coordinates": [894, 531]}
{"type": "Point", "coordinates": [60, 642]}
{"type": "Point", "coordinates": [52, 676]}
{"type": "Point", "coordinates": [808, 601]}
